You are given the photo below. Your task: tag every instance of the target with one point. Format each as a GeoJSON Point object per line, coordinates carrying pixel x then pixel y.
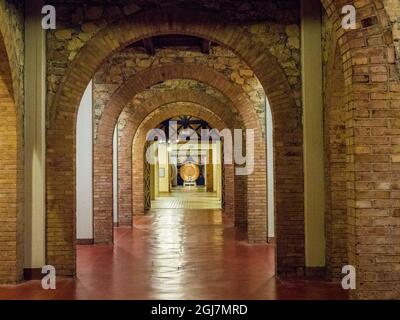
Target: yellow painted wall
{"type": "Point", "coordinates": [152, 182]}
{"type": "Point", "coordinates": [217, 169]}
{"type": "Point", "coordinates": [35, 76]}
{"type": "Point", "coordinates": [314, 189]}
{"type": "Point", "coordinates": [163, 165]}
{"type": "Point", "coordinates": [156, 181]}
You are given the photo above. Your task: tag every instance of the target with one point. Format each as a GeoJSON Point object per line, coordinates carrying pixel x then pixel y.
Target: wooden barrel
{"type": "Point", "coordinates": [189, 172]}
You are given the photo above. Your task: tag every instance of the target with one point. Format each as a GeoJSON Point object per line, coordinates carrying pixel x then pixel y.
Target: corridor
{"type": "Point", "coordinates": [208, 149]}
{"type": "Point", "coordinates": [177, 254]}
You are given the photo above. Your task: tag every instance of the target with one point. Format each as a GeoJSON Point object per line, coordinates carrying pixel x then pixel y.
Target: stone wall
{"type": "Point", "coordinates": [78, 22]}
{"type": "Point", "coordinates": [12, 25]}
{"type": "Point", "coordinates": [169, 85]}
{"type": "Point", "coordinates": [283, 41]}
{"type": "Point", "coordinates": [129, 62]}
{"type": "Point", "coordinates": [132, 60]}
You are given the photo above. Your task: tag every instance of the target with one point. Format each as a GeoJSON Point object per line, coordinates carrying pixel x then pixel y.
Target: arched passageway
{"type": "Point", "coordinates": [133, 197]}
{"type": "Point", "coordinates": [120, 99]}
{"type": "Point", "coordinates": [91, 56]}
{"type": "Point", "coordinates": [133, 122]}
{"type": "Point", "coordinates": [335, 166]}
{"type": "Point", "coordinates": [363, 90]}
{"type": "Point", "coordinates": [361, 126]}
{"type": "Point", "coordinates": [142, 81]}
{"type": "Point", "coordinates": [167, 111]}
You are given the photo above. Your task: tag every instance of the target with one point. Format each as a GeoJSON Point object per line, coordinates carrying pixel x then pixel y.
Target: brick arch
{"type": "Point", "coordinates": [11, 169]}
{"type": "Point", "coordinates": [335, 111]}
{"type": "Point", "coordinates": [371, 96]}
{"type": "Point", "coordinates": [135, 118]}
{"type": "Point", "coordinates": [287, 126]}
{"type": "Point", "coordinates": [174, 109]}
{"type": "Point", "coordinates": [103, 199]}
{"type": "Point", "coordinates": [150, 122]}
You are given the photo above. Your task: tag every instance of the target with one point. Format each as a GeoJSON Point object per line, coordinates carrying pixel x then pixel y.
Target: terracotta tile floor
{"type": "Point", "coordinates": [176, 254]}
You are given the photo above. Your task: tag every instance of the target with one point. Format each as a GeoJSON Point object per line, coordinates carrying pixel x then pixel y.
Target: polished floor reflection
{"type": "Point", "coordinates": [187, 198]}
{"type": "Point", "coordinates": [177, 254]}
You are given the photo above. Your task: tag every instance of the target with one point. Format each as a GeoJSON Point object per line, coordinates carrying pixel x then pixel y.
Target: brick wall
{"type": "Point", "coordinates": [335, 168]}
{"type": "Point", "coordinates": [11, 142]}
{"type": "Point", "coordinates": [370, 79]}
{"type": "Point", "coordinates": [392, 8]}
